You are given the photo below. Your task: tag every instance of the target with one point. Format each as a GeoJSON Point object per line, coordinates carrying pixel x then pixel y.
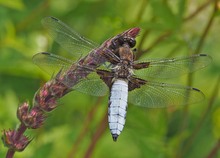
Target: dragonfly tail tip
{"type": "Point", "coordinates": [115, 137]}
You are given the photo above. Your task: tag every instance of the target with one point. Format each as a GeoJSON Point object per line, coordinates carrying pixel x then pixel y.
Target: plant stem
{"type": "Point", "coordinates": [10, 153]}
{"type": "Point", "coordinates": [214, 151]}
{"type": "Point", "coordinates": [207, 28]}
{"type": "Point", "coordinates": [84, 130]}
{"type": "Point", "coordinates": [198, 10]}
{"type": "Point", "coordinates": [97, 135]}
{"type": "Point", "coordinates": [201, 120]}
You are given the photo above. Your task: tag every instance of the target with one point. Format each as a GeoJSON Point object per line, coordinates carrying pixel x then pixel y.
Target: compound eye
{"type": "Point", "coordinates": [132, 43]}
{"type": "Point", "coordinates": [114, 44]}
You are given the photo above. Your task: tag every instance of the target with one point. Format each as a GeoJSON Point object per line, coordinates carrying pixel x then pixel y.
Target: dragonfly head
{"type": "Point", "coordinates": [131, 42]}
{"type": "Point", "coordinates": [127, 37]}
{"type": "Point", "coordinates": [119, 41]}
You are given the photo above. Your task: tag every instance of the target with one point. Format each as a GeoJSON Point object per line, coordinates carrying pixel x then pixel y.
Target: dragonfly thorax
{"type": "Point", "coordinates": [122, 71]}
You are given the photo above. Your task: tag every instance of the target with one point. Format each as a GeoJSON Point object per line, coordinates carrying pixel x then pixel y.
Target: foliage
{"type": "Point", "coordinates": [78, 127]}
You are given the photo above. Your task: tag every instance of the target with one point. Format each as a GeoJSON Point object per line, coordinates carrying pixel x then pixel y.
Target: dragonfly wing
{"type": "Point", "coordinates": [157, 95]}
{"type": "Point", "coordinates": [70, 40]}
{"type": "Point", "coordinates": [168, 68]}
{"type": "Point", "coordinates": [92, 85]}
{"type": "Point", "coordinates": [51, 63]}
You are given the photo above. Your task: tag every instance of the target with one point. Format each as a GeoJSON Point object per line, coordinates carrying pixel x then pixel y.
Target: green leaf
{"type": "Point", "coordinates": [15, 4]}
{"type": "Point", "coordinates": [181, 8]}
{"type": "Point", "coordinates": [165, 15]}
{"type": "Point", "coordinates": [216, 122]}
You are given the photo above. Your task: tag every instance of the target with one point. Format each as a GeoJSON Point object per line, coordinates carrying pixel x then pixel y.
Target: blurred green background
{"type": "Point", "coordinates": [78, 127]}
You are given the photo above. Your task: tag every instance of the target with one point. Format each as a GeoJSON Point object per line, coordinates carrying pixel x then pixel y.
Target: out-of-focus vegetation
{"type": "Point", "coordinates": [78, 128]}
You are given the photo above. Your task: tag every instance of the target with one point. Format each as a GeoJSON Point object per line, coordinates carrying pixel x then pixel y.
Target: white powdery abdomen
{"type": "Point", "coordinates": [117, 107]}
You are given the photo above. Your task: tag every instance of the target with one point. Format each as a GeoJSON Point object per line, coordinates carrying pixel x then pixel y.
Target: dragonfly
{"type": "Point", "coordinates": [118, 74]}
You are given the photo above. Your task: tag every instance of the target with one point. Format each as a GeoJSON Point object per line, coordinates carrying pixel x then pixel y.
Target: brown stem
{"type": "Point", "coordinates": [32, 16]}
{"type": "Point", "coordinates": [202, 119]}
{"type": "Point", "coordinates": [10, 153]}
{"type": "Point", "coordinates": [207, 28]}
{"type": "Point", "coordinates": [84, 130]}
{"type": "Point", "coordinates": [154, 43]}
{"type": "Point", "coordinates": [190, 78]}
{"type": "Point", "coordinates": [141, 11]}
{"type": "Point", "coordinates": [198, 10]}
{"type": "Point", "coordinates": [97, 135]}
{"type": "Point", "coordinates": [142, 40]}
{"type": "Point", "coordinates": [22, 128]}
{"type": "Point", "coordinates": [167, 34]}
{"type": "Point", "coordinates": [214, 151]}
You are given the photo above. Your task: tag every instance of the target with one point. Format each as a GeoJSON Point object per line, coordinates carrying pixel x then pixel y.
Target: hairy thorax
{"type": "Point", "coordinates": [123, 70]}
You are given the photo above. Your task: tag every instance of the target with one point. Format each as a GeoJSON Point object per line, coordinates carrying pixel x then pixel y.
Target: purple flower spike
{"type": "Point", "coordinates": [31, 118]}
{"type": "Point", "coordinates": [9, 139]}
{"type": "Point", "coordinates": [47, 96]}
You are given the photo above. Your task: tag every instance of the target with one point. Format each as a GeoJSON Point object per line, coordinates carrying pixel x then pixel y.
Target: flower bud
{"type": "Point", "coordinates": [32, 118]}
{"type": "Point", "coordinates": [11, 141]}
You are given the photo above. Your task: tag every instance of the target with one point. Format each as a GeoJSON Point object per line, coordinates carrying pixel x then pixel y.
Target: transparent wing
{"type": "Point", "coordinates": [168, 68]}
{"type": "Point", "coordinates": [91, 84]}
{"type": "Point", "coordinates": [157, 95]}
{"type": "Point", "coordinates": [67, 38]}
{"type": "Point", "coordinates": [51, 63]}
